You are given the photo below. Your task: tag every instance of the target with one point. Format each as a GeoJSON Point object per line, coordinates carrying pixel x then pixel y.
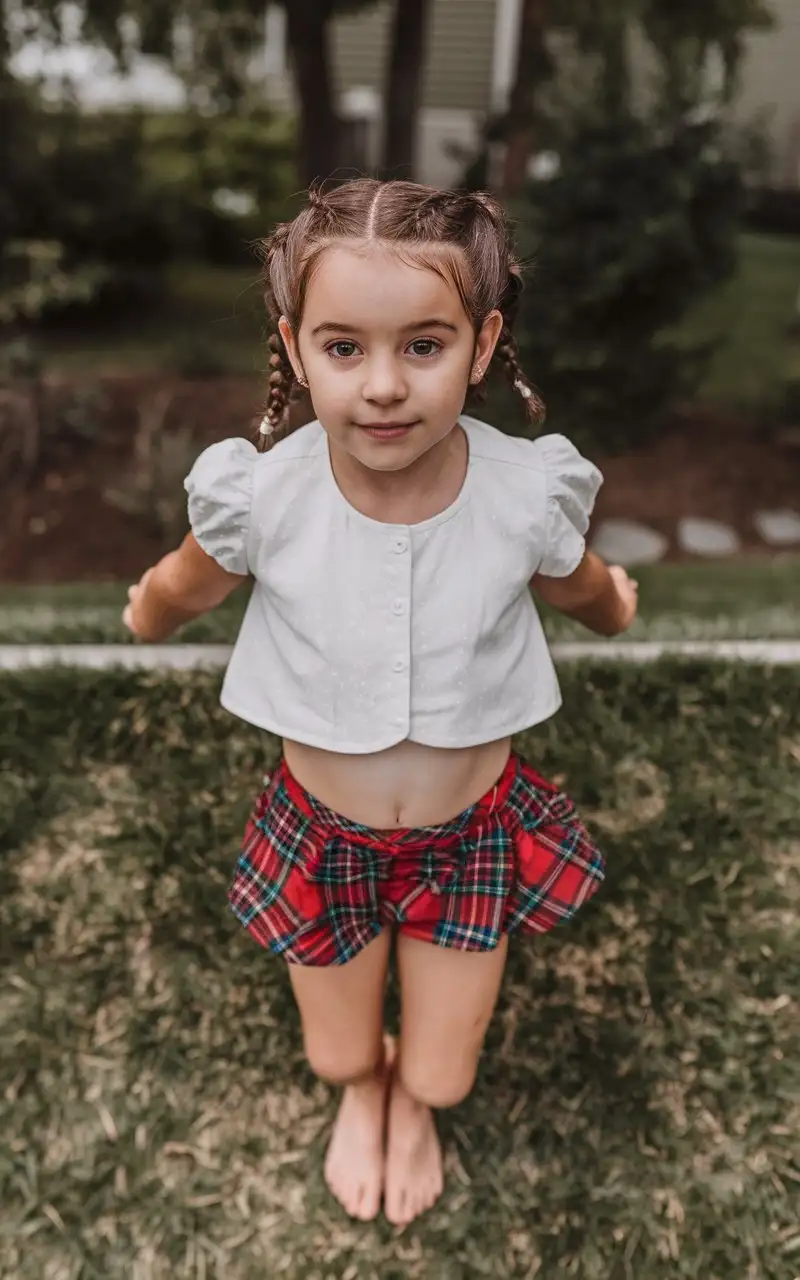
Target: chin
{"type": "Point", "coordinates": [397, 463]}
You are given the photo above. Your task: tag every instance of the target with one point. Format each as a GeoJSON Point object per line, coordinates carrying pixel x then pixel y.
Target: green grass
{"type": "Point", "coordinates": [214, 318]}
{"type": "Point", "coordinates": [637, 1112]}
{"type": "Point", "coordinates": [748, 599]}
{"type": "Point", "coordinates": [751, 316]}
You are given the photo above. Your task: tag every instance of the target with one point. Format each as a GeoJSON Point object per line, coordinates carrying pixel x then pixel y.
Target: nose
{"type": "Point", "coordinates": [384, 381]}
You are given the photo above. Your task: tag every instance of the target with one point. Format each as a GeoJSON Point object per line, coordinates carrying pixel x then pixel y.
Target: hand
{"type": "Point", "coordinates": [627, 595]}
{"type": "Point", "coordinates": [131, 614]}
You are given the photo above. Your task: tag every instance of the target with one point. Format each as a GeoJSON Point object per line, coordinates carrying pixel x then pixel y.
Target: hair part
{"type": "Point", "coordinates": [464, 236]}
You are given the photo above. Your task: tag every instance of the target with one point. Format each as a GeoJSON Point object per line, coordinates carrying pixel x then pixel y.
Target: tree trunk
{"type": "Point", "coordinates": [307, 37]}
{"type": "Point", "coordinates": [533, 66]}
{"type": "Point", "coordinates": [404, 87]}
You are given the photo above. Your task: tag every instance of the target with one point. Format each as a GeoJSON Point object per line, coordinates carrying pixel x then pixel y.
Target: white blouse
{"type": "Point", "coordinates": [359, 634]}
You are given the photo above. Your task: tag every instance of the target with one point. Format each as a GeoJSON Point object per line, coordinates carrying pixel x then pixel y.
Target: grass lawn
{"type": "Point", "coordinates": [755, 599]}
{"type": "Point", "coordinates": [751, 315]}
{"type": "Point", "coordinates": [214, 317]}
{"type": "Point", "coordinates": [637, 1114]}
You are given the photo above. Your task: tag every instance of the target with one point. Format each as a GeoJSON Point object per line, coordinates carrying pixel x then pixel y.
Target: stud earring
{"type": "Point", "coordinates": [478, 374]}
{"type": "Point", "coordinates": [301, 381]}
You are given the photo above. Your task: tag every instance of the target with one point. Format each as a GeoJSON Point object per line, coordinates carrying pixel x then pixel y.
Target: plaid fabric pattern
{"type": "Point", "coordinates": [315, 887]}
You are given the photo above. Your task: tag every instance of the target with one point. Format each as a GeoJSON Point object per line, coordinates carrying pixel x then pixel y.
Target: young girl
{"type": "Point", "coordinates": [391, 640]}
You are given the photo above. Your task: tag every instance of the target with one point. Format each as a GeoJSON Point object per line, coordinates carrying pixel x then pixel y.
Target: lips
{"type": "Point", "coordinates": [385, 426]}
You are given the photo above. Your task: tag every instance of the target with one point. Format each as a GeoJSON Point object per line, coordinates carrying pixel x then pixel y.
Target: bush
{"type": "Point", "coordinates": [36, 282]}
{"type": "Point", "coordinates": [636, 225]}
{"type": "Point", "coordinates": [774, 210]}
{"type": "Point", "coordinates": [250, 158]}
{"type": "Point", "coordinates": [87, 188]}
{"type": "Point", "coordinates": [114, 196]}
{"type": "Point", "coordinates": [790, 402]}
{"type": "Point", "coordinates": [41, 421]}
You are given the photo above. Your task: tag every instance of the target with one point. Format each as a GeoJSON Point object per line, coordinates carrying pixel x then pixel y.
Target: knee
{"type": "Point", "coordinates": [438, 1089]}
{"type": "Point", "coordinates": [342, 1064]}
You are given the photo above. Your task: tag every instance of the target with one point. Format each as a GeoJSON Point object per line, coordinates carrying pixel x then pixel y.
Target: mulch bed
{"type": "Point", "coordinates": [61, 528]}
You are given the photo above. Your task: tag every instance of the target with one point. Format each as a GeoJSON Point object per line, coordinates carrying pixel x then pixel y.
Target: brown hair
{"type": "Point", "coordinates": [461, 234]}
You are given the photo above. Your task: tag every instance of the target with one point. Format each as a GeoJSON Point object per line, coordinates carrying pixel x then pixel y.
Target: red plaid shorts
{"type": "Point", "coordinates": [316, 888]}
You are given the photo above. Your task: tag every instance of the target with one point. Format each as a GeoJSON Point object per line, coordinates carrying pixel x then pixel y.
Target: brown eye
{"type": "Point", "coordinates": [343, 350]}
{"type": "Point", "coordinates": [425, 347]}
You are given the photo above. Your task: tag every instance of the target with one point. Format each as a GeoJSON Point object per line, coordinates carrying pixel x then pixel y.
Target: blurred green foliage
{"type": "Point", "coordinates": [639, 221]}
{"type": "Point", "coordinates": [95, 205]}
{"type": "Point", "coordinates": [637, 206]}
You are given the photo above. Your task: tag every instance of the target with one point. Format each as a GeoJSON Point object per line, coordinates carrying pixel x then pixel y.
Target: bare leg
{"type": "Point", "coordinates": [448, 998]}
{"type": "Point", "coordinates": [341, 1009]}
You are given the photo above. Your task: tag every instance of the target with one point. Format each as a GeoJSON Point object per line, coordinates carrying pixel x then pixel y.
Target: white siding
{"type": "Point", "coordinates": [438, 128]}
{"type": "Point", "coordinates": [458, 70]}
{"type": "Point", "coordinates": [770, 83]}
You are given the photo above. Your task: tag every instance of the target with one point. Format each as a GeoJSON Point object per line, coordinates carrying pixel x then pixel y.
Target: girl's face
{"type": "Point", "coordinates": [382, 344]}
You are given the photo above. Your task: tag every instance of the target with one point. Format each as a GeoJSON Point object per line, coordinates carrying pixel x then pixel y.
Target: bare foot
{"type": "Point", "coordinates": [354, 1164]}
{"type": "Point", "coordinates": [414, 1174]}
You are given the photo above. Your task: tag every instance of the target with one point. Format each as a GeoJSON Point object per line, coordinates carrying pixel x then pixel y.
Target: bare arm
{"type": "Point", "coordinates": [601, 598]}
{"type": "Point", "coordinates": [182, 586]}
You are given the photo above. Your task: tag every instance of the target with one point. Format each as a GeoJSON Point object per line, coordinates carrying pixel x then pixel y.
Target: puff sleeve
{"type": "Point", "coordinates": [573, 483]}
{"type": "Point", "coordinates": [220, 489]}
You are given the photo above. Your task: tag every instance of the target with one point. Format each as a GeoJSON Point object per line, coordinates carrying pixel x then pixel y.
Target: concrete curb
{"type": "Point", "coordinates": [186, 657]}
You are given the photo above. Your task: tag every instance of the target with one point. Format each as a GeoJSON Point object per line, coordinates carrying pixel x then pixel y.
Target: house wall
{"type": "Point", "coordinates": [770, 87]}
{"type": "Point", "coordinates": [458, 71]}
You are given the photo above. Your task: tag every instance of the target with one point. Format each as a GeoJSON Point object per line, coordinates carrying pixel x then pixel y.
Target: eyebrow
{"type": "Point", "coordinates": [331, 327]}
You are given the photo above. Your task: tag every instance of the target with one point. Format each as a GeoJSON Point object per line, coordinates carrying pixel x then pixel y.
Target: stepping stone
{"type": "Point", "coordinates": [778, 528]}
{"type": "Point", "coordinates": [627, 543]}
{"type": "Point", "coordinates": [707, 537]}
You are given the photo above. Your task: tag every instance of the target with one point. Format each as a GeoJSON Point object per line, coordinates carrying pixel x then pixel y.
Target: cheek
{"type": "Point", "coordinates": [445, 386]}
{"type": "Point", "coordinates": [333, 391]}
{"type": "Point", "coordinates": [316, 373]}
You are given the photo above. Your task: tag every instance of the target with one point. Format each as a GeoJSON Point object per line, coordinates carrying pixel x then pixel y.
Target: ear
{"type": "Point", "coordinates": [290, 342]}
{"type": "Point", "coordinates": [485, 343]}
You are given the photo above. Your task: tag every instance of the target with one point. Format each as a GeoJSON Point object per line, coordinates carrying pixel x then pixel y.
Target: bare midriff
{"type": "Point", "coordinates": [407, 785]}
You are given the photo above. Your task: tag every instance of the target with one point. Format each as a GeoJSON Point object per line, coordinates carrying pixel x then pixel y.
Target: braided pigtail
{"type": "Point", "coordinates": [282, 384]}
{"type": "Point", "coordinates": [507, 350]}
{"type": "Point", "coordinates": [507, 353]}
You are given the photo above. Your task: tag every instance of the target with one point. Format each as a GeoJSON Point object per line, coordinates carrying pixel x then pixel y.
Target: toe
{"type": "Point", "coordinates": [353, 1204]}
{"type": "Point", "coordinates": [351, 1200]}
{"type": "Point", "coordinates": [366, 1208]}
{"type": "Point", "coordinates": [395, 1210]}
{"type": "Point", "coordinates": [409, 1209]}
